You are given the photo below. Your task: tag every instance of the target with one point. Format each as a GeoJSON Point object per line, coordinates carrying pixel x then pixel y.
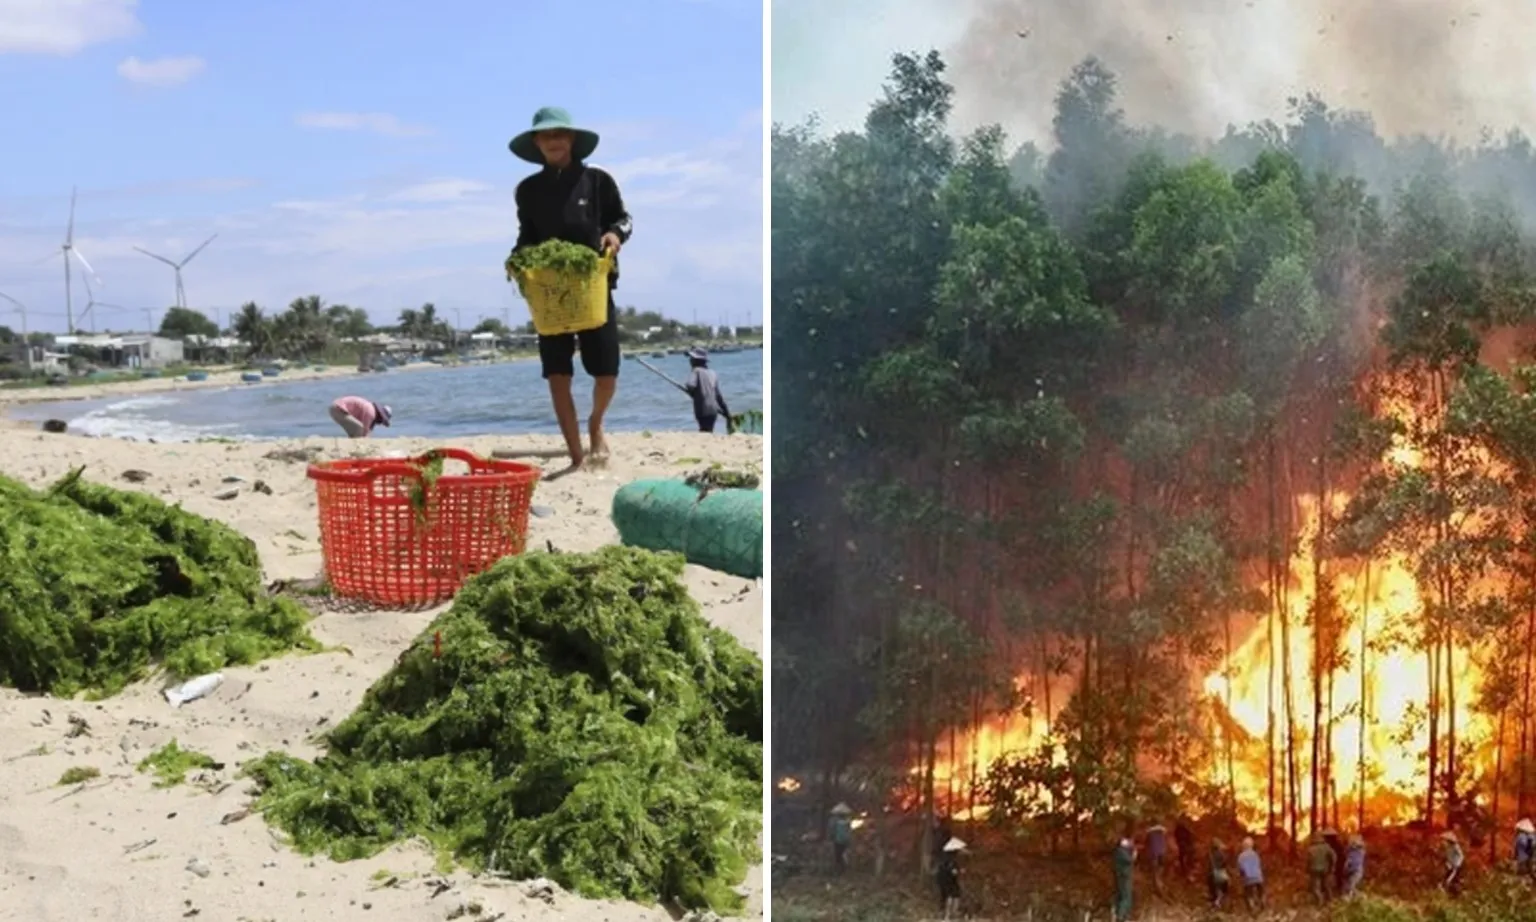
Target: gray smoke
{"type": "Point", "coordinates": [1196, 66]}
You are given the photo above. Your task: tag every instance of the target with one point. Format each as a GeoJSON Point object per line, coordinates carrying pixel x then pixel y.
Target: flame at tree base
{"type": "Point", "coordinates": [1378, 672]}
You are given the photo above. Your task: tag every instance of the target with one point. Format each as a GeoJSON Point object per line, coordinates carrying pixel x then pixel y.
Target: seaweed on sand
{"type": "Point", "coordinates": [572, 716]}
{"type": "Point", "coordinates": [99, 586]}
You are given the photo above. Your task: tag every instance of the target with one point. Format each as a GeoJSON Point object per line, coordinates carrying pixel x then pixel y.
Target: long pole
{"type": "Point", "coordinates": [661, 374]}
{"type": "Point", "coordinates": [26, 344]}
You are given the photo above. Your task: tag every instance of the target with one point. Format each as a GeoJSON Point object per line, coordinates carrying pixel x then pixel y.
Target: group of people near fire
{"type": "Point", "coordinates": [1335, 864]}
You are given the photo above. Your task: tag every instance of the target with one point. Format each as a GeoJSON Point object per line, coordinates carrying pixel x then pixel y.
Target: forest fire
{"type": "Point", "coordinates": [1375, 737]}
{"type": "Point", "coordinates": [1370, 698]}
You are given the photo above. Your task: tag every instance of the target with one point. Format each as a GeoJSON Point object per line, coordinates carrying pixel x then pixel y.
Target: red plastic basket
{"type": "Point", "coordinates": [391, 539]}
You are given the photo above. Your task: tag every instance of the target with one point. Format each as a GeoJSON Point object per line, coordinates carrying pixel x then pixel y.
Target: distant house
{"type": "Point", "coordinates": [41, 359]}
{"type": "Point", "coordinates": [199, 348]}
{"type": "Point", "coordinates": [124, 350]}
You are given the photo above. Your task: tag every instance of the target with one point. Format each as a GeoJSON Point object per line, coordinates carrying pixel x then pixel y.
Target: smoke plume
{"type": "Point", "coordinates": [1428, 67]}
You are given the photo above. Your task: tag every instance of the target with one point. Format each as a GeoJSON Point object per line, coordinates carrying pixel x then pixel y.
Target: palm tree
{"type": "Point", "coordinates": [253, 328]}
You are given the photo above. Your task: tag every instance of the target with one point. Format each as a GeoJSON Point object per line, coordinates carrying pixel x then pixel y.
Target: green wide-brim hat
{"type": "Point", "coordinates": [553, 118]}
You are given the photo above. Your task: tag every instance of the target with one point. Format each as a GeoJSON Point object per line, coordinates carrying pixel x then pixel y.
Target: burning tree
{"type": "Point", "coordinates": [1171, 475]}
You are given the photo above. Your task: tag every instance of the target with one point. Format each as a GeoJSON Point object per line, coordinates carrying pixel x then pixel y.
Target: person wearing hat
{"type": "Point", "coordinates": [1525, 846]}
{"type": "Point", "coordinates": [1455, 860]}
{"type": "Point", "coordinates": [1354, 865]}
{"type": "Point", "coordinates": [1218, 880]}
{"type": "Point", "coordinates": [1252, 871]}
{"type": "Point", "coordinates": [1322, 863]}
{"type": "Point", "coordinates": [947, 874]}
{"type": "Point", "coordinates": [1125, 877]}
{"type": "Point", "coordinates": [1157, 854]}
{"type": "Point", "coordinates": [840, 833]}
{"type": "Point", "coordinates": [358, 416]}
{"type": "Point", "coordinates": [570, 200]}
{"type": "Point", "coordinates": [703, 386]}
{"type": "Point", "coordinates": [1336, 842]}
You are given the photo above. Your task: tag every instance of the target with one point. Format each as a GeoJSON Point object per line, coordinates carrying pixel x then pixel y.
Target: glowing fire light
{"type": "Point", "coordinates": [1387, 682]}
{"type": "Point", "coordinates": [788, 785]}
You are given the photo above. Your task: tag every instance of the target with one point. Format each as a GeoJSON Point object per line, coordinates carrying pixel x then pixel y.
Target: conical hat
{"type": "Point", "coordinates": [1448, 836]}
{"type": "Point", "coordinates": [842, 809]}
{"type": "Point", "coordinates": [954, 845]}
{"type": "Point", "coordinates": [1525, 826]}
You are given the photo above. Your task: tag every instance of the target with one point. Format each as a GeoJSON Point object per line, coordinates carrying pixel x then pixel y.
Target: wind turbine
{"type": "Point", "coordinates": [68, 248]}
{"type": "Point", "coordinates": [181, 291]}
{"type": "Point", "coordinates": [91, 303]}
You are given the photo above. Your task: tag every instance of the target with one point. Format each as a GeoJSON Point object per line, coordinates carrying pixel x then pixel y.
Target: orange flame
{"type": "Point", "coordinates": [1389, 685]}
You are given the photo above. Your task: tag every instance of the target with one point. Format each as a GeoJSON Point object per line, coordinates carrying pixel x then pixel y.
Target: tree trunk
{"type": "Point", "coordinates": [1269, 621]}
{"type": "Point", "coordinates": [1293, 791]}
{"type": "Point", "coordinates": [1433, 654]}
{"type": "Point", "coordinates": [1525, 707]}
{"type": "Point", "coordinates": [1498, 780]}
{"type": "Point", "coordinates": [1365, 665]}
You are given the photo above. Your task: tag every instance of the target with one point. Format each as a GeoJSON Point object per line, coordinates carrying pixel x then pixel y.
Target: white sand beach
{"type": "Point", "coordinates": [117, 848]}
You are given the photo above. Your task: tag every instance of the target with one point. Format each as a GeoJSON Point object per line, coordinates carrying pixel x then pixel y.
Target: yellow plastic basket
{"type": "Point", "coordinates": [563, 302]}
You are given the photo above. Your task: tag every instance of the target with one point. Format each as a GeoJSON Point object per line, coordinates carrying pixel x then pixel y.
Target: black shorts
{"type": "Point", "coordinates": [599, 349]}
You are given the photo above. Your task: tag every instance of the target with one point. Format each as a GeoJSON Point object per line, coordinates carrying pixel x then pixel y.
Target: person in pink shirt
{"type": "Point", "coordinates": [358, 415]}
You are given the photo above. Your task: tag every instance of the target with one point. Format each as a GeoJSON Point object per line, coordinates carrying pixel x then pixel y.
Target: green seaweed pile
{"type": "Point", "coordinates": [572, 716]}
{"type": "Point", "coordinates": [98, 587]}
{"type": "Point", "coordinates": [719, 477]}
{"type": "Point", "coordinates": [555, 255]}
{"type": "Point", "coordinates": [170, 764]}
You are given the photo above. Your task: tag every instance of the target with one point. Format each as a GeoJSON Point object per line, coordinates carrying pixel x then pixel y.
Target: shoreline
{"type": "Point", "coordinates": [147, 386]}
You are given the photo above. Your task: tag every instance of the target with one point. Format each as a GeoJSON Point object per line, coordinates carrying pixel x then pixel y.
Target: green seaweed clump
{"type": "Point", "coordinates": [716, 477]}
{"type": "Point", "coordinates": [430, 469]}
{"type": "Point", "coordinates": [78, 774]}
{"type": "Point", "coordinates": [170, 764]}
{"type": "Point", "coordinates": [100, 586]}
{"type": "Point", "coordinates": [572, 716]}
{"type": "Point", "coordinates": [555, 255]}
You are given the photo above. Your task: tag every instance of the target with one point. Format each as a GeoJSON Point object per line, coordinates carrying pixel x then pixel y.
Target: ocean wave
{"type": "Point", "coordinates": [141, 403]}
{"type": "Point", "coordinates": [104, 424]}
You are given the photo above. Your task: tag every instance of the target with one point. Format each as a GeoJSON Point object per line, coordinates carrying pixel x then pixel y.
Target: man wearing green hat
{"type": "Point", "coordinates": [571, 201]}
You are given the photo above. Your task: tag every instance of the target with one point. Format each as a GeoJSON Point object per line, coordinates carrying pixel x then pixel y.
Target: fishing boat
{"type": "Point", "coordinates": [197, 376]}
{"type": "Point", "coordinates": [250, 377]}
{"type": "Point", "coordinates": [271, 371]}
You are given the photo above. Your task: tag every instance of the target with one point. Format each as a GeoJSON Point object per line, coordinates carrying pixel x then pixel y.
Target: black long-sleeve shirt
{"type": "Point", "coordinates": [577, 204]}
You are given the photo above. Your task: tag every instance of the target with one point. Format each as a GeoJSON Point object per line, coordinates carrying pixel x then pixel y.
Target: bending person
{"type": "Point", "coordinates": [359, 415]}
{"type": "Point", "coordinates": [704, 387]}
{"type": "Point", "coordinates": [571, 201]}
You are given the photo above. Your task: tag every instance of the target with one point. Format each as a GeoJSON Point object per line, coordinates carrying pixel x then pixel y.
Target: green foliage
{"type": "Point", "coordinates": [170, 764]}
{"type": "Point", "coordinates": [583, 723]}
{"type": "Point", "coordinates": [102, 586]}
{"type": "Point", "coordinates": [556, 256]}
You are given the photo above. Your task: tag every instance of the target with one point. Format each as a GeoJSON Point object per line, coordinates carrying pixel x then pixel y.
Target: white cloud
{"type": "Point", "coordinates": [440, 190]}
{"type": "Point", "coordinates": [64, 27]}
{"type": "Point", "coordinates": [375, 122]}
{"type": "Point", "coordinates": [697, 247]}
{"type": "Point", "coordinates": [161, 72]}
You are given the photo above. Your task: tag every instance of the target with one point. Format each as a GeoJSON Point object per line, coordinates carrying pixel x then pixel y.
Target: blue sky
{"type": "Point", "coordinates": [830, 57]}
{"type": "Point", "coordinates": [358, 150]}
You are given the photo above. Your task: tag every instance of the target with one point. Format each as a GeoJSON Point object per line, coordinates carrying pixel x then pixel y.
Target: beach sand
{"type": "Point", "coordinates": [73, 853]}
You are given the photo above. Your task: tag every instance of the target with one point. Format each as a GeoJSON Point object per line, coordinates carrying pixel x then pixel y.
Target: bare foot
{"type": "Point", "coordinates": [577, 463]}
{"type": "Point", "coordinates": [566, 471]}
{"type": "Point", "coordinates": [600, 450]}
